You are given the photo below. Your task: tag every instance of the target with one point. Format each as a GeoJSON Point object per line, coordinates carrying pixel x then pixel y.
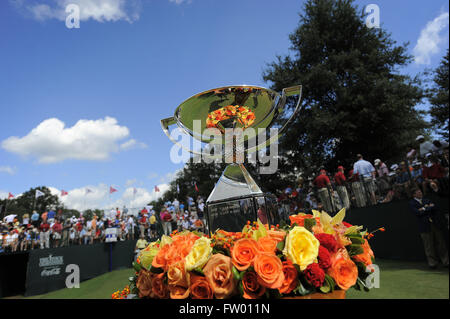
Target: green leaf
{"type": "Point", "coordinates": [356, 239]}
{"type": "Point", "coordinates": [241, 288]}
{"type": "Point", "coordinates": [137, 266]}
{"type": "Point", "coordinates": [330, 282]}
{"type": "Point", "coordinates": [280, 245]}
{"type": "Point", "coordinates": [301, 289]}
{"type": "Point", "coordinates": [309, 223]}
{"type": "Point", "coordinates": [237, 275]}
{"type": "Point", "coordinates": [354, 249]}
{"type": "Point", "coordinates": [325, 287]}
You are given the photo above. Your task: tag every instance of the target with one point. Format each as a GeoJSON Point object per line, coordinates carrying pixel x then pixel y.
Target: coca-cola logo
{"type": "Point", "coordinates": [51, 272]}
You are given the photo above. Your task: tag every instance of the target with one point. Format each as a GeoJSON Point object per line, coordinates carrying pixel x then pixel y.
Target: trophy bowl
{"type": "Point", "coordinates": [248, 109]}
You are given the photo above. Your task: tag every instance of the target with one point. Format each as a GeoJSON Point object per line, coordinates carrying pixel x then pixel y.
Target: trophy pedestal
{"type": "Point", "coordinates": [236, 199]}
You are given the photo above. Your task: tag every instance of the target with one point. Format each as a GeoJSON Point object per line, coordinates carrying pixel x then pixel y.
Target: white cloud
{"type": "Point", "coordinates": [130, 182]}
{"type": "Point", "coordinates": [8, 169]}
{"type": "Point", "coordinates": [180, 1]}
{"type": "Point", "coordinates": [52, 142]}
{"type": "Point", "coordinates": [152, 175]}
{"type": "Point", "coordinates": [135, 202]}
{"type": "Point", "coordinates": [98, 10]}
{"type": "Point", "coordinates": [169, 176]}
{"type": "Point", "coordinates": [99, 198]}
{"type": "Point", "coordinates": [431, 38]}
{"type": "Point", "coordinates": [131, 144]}
{"type": "Point", "coordinates": [3, 194]}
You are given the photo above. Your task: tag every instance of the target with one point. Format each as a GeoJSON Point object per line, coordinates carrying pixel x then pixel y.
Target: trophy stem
{"type": "Point", "coordinates": [234, 182]}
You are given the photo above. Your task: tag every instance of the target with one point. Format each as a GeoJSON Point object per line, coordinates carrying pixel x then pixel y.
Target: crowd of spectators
{"type": "Point", "coordinates": [365, 183]}
{"type": "Point", "coordinates": [51, 229]}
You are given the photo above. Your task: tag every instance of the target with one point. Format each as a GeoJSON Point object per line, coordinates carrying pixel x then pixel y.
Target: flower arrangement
{"type": "Point", "coordinates": [244, 115]}
{"type": "Point", "coordinates": [314, 254]}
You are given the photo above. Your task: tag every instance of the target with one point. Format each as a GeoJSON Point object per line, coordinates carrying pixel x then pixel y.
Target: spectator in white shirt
{"type": "Point", "coordinates": [366, 170]}
{"type": "Point", "coordinates": [425, 146]}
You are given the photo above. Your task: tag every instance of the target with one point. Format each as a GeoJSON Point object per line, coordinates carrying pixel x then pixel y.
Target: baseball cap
{"type": "Point", "coordinates": [340, 167]}
{"type": "Point", "coordinates": [377, 161]}
{"type": "Point", "coordinates": [419, 137]}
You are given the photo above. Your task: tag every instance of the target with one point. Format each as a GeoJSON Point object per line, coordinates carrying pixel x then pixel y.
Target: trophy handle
{"type": "Point", "coordinates": [286, 92]}
{"type": "Point", "coordinates": [165, 123]}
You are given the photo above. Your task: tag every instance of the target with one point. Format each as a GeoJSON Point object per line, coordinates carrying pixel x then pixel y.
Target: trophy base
{"type": "Point", "coordinates": [236, 199]}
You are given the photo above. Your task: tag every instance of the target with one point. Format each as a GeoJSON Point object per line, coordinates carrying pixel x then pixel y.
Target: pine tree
{"type": "Point", "coordinates": [439, 110]}
{"type": "Point", "coordinates": [354, 98]}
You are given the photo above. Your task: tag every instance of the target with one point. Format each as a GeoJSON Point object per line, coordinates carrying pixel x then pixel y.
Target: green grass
{"type": "Point", "coordinates": [407, 280]}
{"type": "Point", "coordinates": [398, 280]}
{"type": "Point", "coordinates": [100, 287]}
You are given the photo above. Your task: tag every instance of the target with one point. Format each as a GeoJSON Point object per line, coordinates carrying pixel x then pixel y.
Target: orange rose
{"type": "Point", "coordinates": [178, 281]}
{"type": "Point", "coordinates": [174, 252]}
{"type": "Point", "coordinates": [144, 283]}
{"type": "Point", "coordinates": [220, 276]}
{"type": "Point", "coordinates": [160, 259]}
{"type": "Point", "coordinates": [269, 269]}
{"type": "Point", "coordinates": [278, 235]}
{"type": "Point", "coordinates": [200, 288]}
{"type": "Point", "coordinates": [344, 272]}
{"type": "Point", "coordinates": [366, 256]}
{"type": "Point", "coordinates": [251, 286]}
{"type": "Point", "coordinates": [290, 278]}
{"type": "Point", "coordinates": [243, 253]}
{"type": "Point", "coordinates": [300, 220]}
{"type": "Point", "coordinates": [268, 244]}
{"type": "Point", "coordinates": [159, 289]}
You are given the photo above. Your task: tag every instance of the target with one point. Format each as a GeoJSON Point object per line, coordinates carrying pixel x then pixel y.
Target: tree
{"type": "Point", "coordinates": [25, 203]}
{"type": "Point", "coordinates": [354, 99]}
{"type": "Point", "coordinates": [439, 110]}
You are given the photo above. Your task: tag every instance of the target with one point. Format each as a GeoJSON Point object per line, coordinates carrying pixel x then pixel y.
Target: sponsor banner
{"type": "Point", "coordinates": [48, 269]}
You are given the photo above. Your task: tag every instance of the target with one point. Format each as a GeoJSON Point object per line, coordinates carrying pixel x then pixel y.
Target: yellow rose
{"type": "Point", "coordinates": [146, 255]}
{"type": "Point", "coordinates": [301, 247]}
{"type": "Point", "coordinates": [199, 254]}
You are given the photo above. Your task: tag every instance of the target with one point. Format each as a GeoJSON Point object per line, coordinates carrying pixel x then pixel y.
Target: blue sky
{"type": "Point", "coordinates": [128, 66]}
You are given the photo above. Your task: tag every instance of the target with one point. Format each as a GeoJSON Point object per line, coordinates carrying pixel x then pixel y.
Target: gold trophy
{"type": "Point", "coordinates": [229, 120]}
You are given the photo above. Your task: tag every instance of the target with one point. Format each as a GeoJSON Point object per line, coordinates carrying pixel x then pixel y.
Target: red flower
{"type": "Point", "coordinates": [324, 258]}
{"type": "Point", "coordinates": [347, 224]}
{"type": "Point", "coordinates": [314, 274]}
{"type": "Point", "coordinates": [328, 241]}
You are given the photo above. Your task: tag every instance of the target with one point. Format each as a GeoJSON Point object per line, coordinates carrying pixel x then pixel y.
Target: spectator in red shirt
{"type": "Point", "coordinates": [57, 229]}
{"type": "Point", "coordinates": [44, 235]}
{"type": "Point", "coordinates": [434, 175]}
{"type": "Point", "coordinates": [340, 180]}
{"type": "Point", "coordinates": [323, 184]}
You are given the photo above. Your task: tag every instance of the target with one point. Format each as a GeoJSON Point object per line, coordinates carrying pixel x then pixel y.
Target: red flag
{"type": "Point", "coordinates": [10, 196]}
{"type": "Point", "coordinates": [156, 189]}
{"type": "Point", "coordinates": [112, 190]}
{"type": "Point", "coordinates": [63, 193]}
{"type": "Point", "coordinates": [196, 188]}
